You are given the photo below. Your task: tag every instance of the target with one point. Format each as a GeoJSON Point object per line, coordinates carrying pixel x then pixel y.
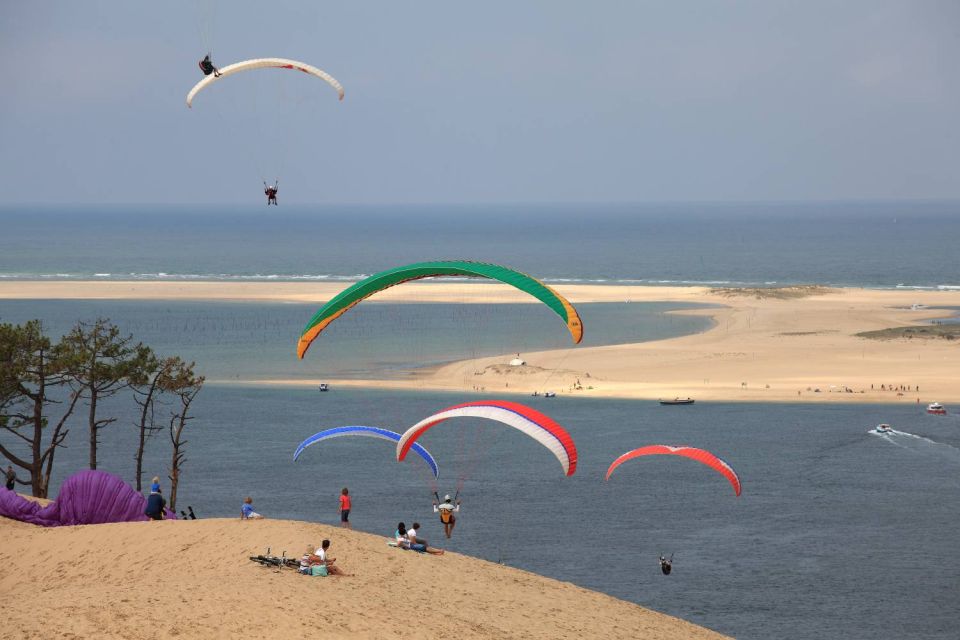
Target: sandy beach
{"type": "Point", "coordinates": [193, 579]}
{"type": "Point", "coordinates": [778, 347]}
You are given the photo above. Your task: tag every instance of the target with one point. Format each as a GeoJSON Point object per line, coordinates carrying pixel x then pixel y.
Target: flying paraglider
{"type": "Point", "coordinates": [259, 63]}
{"type": "Point", "coordinates": [367, 287]}
{"type": "Point", "coordinates": [701, 456]}
{"type": "Point", "coordinates": [529, 421]}
{"type": "Point", "coordinates": [206, 65]}
{"type": "Point", "coordinates": [371, 432]}
{"type": "Point", "coordinates": [271, 191]}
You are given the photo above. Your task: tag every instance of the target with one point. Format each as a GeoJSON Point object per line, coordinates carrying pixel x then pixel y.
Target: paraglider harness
{"type": "Point", "coordinates": [271, 192]}
{"type": "Point", "coordinates": [666, 566]}
{"type": "Point", "coordinates": [446, 515]}
{"type": "Point", "coordinates": [207, 67]}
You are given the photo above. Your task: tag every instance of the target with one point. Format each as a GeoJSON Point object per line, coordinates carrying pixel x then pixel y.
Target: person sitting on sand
{"type": "Point", "coordinates": [418, 544]}
{"type": "Point", "coordinates": [247, 512]}
{"type": "Point", "coordinates": [413, 534]}
{"type": "Point", "coordinates": [328, 562]}
{"type": "Point", "coordinates": [308, 559]}
{"type": "Point", "coordinates": [155, 503]}
{"type": "Point", "coordinates": [446, 511]}
{"type": "Point", "coordinates": [400, 536]}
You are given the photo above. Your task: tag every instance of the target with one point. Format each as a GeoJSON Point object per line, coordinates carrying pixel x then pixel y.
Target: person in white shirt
{"type": "Point", "coordinates": [407, 539]}
{"type": "Point", "coordinates": [321, 555]}
{"type": "Point", "coordinates": [446, 509]}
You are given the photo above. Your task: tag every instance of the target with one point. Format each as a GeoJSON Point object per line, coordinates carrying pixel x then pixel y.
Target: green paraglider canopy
{"type": "Point", "coordinates": [398, 275]}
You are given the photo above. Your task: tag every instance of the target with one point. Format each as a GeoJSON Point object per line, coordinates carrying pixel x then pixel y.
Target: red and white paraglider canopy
{"type": "Point", "coordinates": [538, 426]}
{"type": "Point", "coordinates": [701, 456]}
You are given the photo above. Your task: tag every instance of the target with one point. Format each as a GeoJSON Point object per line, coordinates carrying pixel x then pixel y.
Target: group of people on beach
{"type": "Point", "coordinates": [408, 539]}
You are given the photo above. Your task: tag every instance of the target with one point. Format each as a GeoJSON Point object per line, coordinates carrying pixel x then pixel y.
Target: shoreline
{"type": "Point", "coordinates": [766, 345]}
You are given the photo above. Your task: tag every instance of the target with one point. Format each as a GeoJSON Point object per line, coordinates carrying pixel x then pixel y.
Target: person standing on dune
{"type": "Point", "coordinates": [344, 508]}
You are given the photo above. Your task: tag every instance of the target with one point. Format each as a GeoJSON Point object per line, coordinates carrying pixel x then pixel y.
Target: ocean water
{"type": "Point", "coordinates": [839, 533]}
{"type": "Point", "coordinates": [843, 244]}
{"type": "Point", "coordinates": [257, 341]}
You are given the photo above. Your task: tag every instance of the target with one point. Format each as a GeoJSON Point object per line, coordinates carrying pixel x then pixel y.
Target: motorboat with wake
{"type": "Point", "coordinates": [677, 401]}
{"type": "Point", "coordinates": [936, 409]}
{"type": "Point", "coordinates": [882, 428]}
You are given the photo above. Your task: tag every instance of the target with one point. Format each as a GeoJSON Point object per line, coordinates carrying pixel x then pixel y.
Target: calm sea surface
{"type": "Point", "coordinates": [865, 244]}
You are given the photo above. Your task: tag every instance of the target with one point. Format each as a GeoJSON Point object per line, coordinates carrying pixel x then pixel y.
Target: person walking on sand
{"type": "Point", "coordinates": [11, 477]}
{"type": "Point", "coordinates": [247, 512]}
{"type": "Point", "coordinates": [345, 508]}
{"type": "Point", "coordinates": [446, 509]}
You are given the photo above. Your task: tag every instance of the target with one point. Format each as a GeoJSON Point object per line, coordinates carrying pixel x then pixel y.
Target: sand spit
{"type": "Point", "coordinates": [791, 344]}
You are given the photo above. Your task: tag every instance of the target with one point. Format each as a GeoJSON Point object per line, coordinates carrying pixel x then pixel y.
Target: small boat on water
{"type": "Point", "coordinates": [550, 394]}
{"type": "Point", "coordinates": [324, 386]}
{"type": "Point", "coordinates": [678, 401]}
{"type": "Point", "coordinates": [936, 409]}
{"type": "Point", "coordinates": [882, 428]}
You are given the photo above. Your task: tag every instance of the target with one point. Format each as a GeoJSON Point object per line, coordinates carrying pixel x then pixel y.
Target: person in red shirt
{"type": "Point", "coordinates": [345, 508]}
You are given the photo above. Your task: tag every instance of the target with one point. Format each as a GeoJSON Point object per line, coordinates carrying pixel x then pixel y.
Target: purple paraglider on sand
{"type": "Point", "coordinates": [87, 497]}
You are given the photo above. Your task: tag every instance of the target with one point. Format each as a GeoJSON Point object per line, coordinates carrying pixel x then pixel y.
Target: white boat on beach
{"type": "Point", "coordinates": [936, 409]}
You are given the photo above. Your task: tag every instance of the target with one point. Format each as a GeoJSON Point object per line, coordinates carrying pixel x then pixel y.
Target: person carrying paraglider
{"type": "Point", "coordinates": [207, 67]}
{"type": "Point", "coordinates": [271, 191]}
{"type": "Point", "coordinates": [446, 509]}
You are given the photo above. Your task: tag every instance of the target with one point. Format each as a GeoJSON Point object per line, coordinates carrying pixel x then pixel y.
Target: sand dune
{"type": "Point", "coordinates": [193, 579]}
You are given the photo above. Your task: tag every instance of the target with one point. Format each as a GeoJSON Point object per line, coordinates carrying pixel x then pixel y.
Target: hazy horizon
{"type": "Point", "coordinates": [539, 103]}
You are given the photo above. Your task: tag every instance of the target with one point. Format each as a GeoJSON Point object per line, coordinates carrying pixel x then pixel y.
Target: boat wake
{"type": "Point", "coordinates": [917, 443]}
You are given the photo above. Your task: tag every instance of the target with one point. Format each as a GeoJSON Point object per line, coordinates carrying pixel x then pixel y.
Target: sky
{"type": "Point", "coordinates": [486, 102]}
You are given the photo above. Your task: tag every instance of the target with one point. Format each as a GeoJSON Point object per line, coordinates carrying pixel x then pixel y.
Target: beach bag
{"type": "Point", "coordinates": [318, 570]}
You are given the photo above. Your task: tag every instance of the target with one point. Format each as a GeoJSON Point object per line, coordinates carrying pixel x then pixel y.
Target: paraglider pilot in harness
{"type": "Point", "coordinates": [207, 67]}
{"type": "Point", "coordinates": [271, 191]}
{"type": "Point", "coordinates": [666, 566]}
{"type": "Point", "coordinates": [446, 509]}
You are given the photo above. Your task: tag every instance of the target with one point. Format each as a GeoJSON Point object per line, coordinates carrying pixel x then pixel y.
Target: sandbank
{"type": "Point", "coordinates": [768, 348]}
{"type": "Point", "coordinates": [193, 579]}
